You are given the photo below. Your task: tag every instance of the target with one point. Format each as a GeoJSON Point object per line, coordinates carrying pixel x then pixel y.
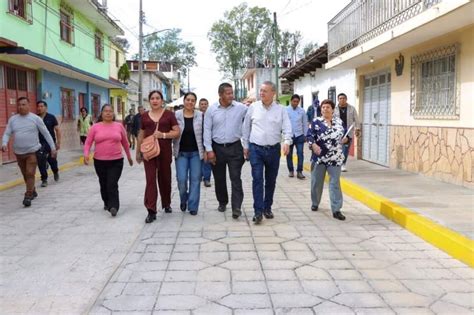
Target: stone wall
{"type": "Point", "coordinates": [443, 153]}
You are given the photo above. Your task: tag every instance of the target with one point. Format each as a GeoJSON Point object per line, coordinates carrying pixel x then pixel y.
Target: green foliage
{"type": "Point", "coordinates": [122, 42]}
{"type": "Point", "coordinates": [238, 39]}
{"type": "Point", "coordinates": [309, 48]}
{"type": "Point", "coordinates": [244, 37]}
{"type": "Point", "coordinates": [169, 47]}
{"type": "Point", "coordinates": [124, 73]}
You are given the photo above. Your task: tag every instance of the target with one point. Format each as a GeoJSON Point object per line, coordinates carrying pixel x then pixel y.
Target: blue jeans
{"type": "Point", "coordinates": [260, 158]}
{"type": "Point", "coordinates": [299, 143]}
{"type": "Point", "coordinates": [206, 171]}
{"type": "Point", "coordinates": [188, 169]}
{"type": "Point", "coordinates": [318, 173]}
{"type": "Point", "coordinates": [345, 150]}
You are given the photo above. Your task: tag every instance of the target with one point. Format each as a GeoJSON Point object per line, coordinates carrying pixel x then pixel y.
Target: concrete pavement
{"type": "Point", "coordinates": [65, 255]}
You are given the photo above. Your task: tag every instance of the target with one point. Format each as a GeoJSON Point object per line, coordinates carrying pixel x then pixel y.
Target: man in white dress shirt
{"type": "Point", "coordinates": [264, 124]}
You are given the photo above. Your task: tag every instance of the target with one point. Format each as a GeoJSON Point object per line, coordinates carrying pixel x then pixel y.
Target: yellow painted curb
{"type": "Point", "coordinates": [64, 167]}
{"type": "Point", "coordinates": [453, 243]}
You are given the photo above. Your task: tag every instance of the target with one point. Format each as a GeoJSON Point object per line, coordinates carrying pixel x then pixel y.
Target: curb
{"type": "Point", "coordinates": [64, 167]}
{"type": "Point", "coordinates": [456, 245]}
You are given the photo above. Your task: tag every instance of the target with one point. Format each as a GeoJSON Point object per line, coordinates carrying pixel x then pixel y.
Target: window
{"type": "Point", "coordinates": [434, 90]}
{"type": "Point", "coordinates": [95, 105]}
{"type": "Point", "coordinates": [1, 77]}
{"type": "Point", "coordinates": [22, 82]}
{"type": "Point", "coordinates": [11, 78]}
{"type": "Point", "coordinates": [99, 46]}
{"type": "Point", "coordinates": [31, 81]}
{"type": "Point", "coordinates": [66, 26]}
{"type": "Point", "coordinates": [332, 94]}
{"type": "Point", "coordinates": [117, 58]}
{"type": "Point", "coordinates": [67, 103]}
{"type": "Point", "coordinates": [21, 8]}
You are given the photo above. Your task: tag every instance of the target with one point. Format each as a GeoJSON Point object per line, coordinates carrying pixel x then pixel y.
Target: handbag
{"type": "Point", "coordinates": [150, 147]}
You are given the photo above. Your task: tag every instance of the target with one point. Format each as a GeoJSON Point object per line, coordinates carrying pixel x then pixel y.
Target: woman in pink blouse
{"type": "Point", "coordinates": [109, 137]}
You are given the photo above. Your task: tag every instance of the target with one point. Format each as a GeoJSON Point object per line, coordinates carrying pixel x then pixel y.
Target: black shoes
{"type": "Point", "coordinates": [221, 208]}
{"type": "Point", "coordinates": [194, 212]}
{"type": "Point", "coordinates": [236, 213]}
{"type": "Point", "coordinates": [207, 183]}
{"type": "Point", "coordinates": [151, 217]}
{"type": "Point", "coordinates": [106, 208]}
{"type": "Point", "coordinates": [300, 175]}
{"type": "Point", "coordinates": [291, 174]}
{"type": "Point", "coordinates": [183, 206]}
{"type": "Point", "coordinates": [168, 210]}
{"type": "Point", "coordinates": [258, 219]}
{"type": "Point", "coordinates": [268, 214]}
{"type": "Point", "coordinates": [56, 176]}
{"type": "Point", "coordinates": [314, 208]}
{"type": "Point", "coordinates": [338, 215]}
{"type": "Point", "coordinates": [113, 211]}
{"type": "Point", "coordinates": [27, 201]}
{"type": "Point", "coordinates": [35, 194]}
{"type": "Point", "coordinates": [44, 183]}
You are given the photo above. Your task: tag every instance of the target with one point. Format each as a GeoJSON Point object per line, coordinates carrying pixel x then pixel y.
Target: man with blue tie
{"type": "Point", "coordinates": [299, 127]}
{"type": "Point", "coordinates": [222, 134]}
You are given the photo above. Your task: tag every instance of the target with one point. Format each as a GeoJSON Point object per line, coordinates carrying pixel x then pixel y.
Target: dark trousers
{"type": "Point", "coordinates": [158, 170]}
{"type": "Point", "coordinates": [27, 164]}
{"type": "Point", "coordinates": [268, 158]}
{"type": "Point", "coordinates": [109, 172]}
{"type": "Point", "coordinates": [44, 158]}
{"type": "Point", "coordinates": [299, 143]}
{"type": "Point", "coordinates": [231, 156]}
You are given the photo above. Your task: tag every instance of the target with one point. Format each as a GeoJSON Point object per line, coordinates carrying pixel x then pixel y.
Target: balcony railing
{"type": "Point", "coordinates": [362, 20]}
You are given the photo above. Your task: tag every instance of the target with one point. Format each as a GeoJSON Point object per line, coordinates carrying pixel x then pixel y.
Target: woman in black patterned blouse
{"type": "Point", "coordinates": [325, 139]}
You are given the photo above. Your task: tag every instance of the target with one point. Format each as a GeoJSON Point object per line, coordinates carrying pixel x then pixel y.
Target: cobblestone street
{"type": "Point", "coordinates": [65, 255]}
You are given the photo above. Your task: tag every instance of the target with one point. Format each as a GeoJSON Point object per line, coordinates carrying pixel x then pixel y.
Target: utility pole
{"type": "Point", "coordinates": [140, 55]}
{"type": "Point", "coordinates": [189, 90]}
{"type": "Point", "coordinates": [275, 36]}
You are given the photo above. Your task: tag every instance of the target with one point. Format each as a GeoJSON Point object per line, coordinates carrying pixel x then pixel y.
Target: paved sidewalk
{"type": "Point", "coordinates": [446, 204]}
{"type": "Point", "coordinates": [10, 173]}
{"type": "Point", "coordinates": [65, 255]}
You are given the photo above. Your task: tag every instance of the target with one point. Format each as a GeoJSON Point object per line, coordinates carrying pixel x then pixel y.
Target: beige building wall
{"type": "Point", "coordinates": [441, 148]}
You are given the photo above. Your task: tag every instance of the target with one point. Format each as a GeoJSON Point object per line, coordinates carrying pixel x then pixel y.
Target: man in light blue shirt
{"type": "Point", "coordinates": [264, 125]}
{"type": "Point", "coordinates": [222, 134]}
{"type": "Point", "coordinates": [299, 127]}
{"type": "Point", "coordinates": [25, 127]}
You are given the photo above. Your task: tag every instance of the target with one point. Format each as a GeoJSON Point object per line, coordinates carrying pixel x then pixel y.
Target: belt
{"type": "Point", "coordinates": [226, 144]}
{"type": "Point", "coordinates": [266, 146]}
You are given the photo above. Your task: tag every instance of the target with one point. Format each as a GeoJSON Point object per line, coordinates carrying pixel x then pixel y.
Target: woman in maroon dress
{"type": "Point", "coordinates": [159, 166]}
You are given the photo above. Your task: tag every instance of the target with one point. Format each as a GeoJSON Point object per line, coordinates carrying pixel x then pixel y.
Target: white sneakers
{"type": "Point", "coordinates": [343, 168]}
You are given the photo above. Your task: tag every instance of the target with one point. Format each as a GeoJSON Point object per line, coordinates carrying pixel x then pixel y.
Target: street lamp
{"type": "Point", "coordinates": [140, 53]}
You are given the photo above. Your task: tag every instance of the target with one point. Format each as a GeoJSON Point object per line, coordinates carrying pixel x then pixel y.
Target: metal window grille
{"type": "Point", "coordinates": [434, 84]}
{"type": "Point", "coordinates": [67, 102]}
{"type": "Point", "coordinates": [22, 81]}
{"type": "Point", "coordinates": [99, 46]}
{"type": "Point", "coordinates": [11, 78]}
{"type": "Point", "coordinates": [30, 76]}
{"type": "Point", "coordinates": [66, 26]}
{"type": "Point", "coordinates": [1, 77]}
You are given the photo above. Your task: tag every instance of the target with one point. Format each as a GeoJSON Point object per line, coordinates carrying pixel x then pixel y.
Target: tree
{"type": "Point", "coordinates": [124, 73]}
{"type": "Point", "coordinates": [308, 48]}
{"type": "Point", "coordinates": [122, 42]}
{"type": "Point", "coordinates": [169, 47]}
{"type": "Point", "coordinates": [239, 38]}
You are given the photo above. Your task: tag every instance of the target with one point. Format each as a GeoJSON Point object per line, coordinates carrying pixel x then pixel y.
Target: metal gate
{"type": "Point", "coordinates": [376, 118]}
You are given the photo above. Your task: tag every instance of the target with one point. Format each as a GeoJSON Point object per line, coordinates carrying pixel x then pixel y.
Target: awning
{"type": "Point", "coordinates": [38, 61]}
{"type": "Point", "coordinates": [308, 64]}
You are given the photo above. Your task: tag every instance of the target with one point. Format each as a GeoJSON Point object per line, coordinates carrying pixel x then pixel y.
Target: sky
{"type": "Point", "coordinates": [195, 19]}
